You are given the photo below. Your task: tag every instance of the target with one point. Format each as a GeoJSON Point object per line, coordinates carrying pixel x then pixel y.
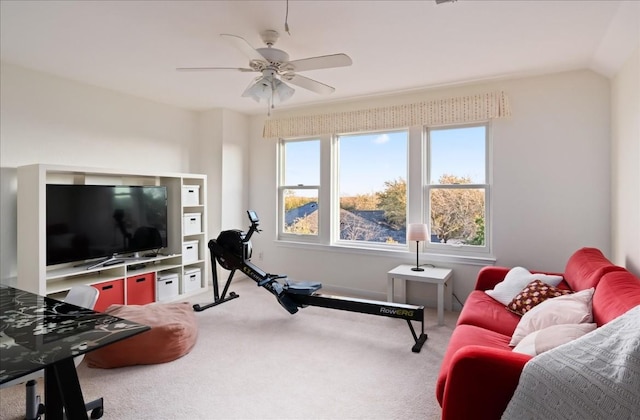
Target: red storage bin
{"type": "Point", "coordinates": [141, 289]}
{"type": "Point", "coordinates": [111, 292]}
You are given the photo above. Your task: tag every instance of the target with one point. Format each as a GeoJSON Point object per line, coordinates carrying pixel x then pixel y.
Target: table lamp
{"type": "Point", "coordinates": [417, 232]}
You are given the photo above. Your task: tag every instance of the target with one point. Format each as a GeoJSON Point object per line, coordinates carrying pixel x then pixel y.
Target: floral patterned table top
{"type": "Point", "coordinates": [36, 331]}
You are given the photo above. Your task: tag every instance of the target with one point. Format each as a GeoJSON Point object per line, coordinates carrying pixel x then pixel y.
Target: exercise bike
{"type": "Point", "coordinates": [232, 250]}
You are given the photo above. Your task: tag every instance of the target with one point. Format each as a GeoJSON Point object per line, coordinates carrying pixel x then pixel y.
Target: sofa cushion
{"type": "Point", "coordinates": [173, 334]}
{"type": "Point", "coordinates": [551, 337]}
{"type": "Point", "coordinates": [617, 292]}
{"type": "Point", "coordinates": [483, 311]}
{"type": "Point", "coordinates": [466, 335]}
{"type": "Point", "coordinates": [532, 295]}
{"type": "Point", "coordinates": [515, 280]}
{"type": "Point", "coordinates": [585, 268]}
{"type": "Point", "coordinates": [568, 309]}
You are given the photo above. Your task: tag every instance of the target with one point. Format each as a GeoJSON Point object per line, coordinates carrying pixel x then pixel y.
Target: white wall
{"type": "Point", "coordinates": [235, 171]}
{"type": "Point", "coordinates": [207, 159]}
{"type": "Point", "coordinates": [551, 186]}
{"type": "Point", "coordinates": [625, 186]}
{"type": "Point", "coordinates": [8, 226]}
{"type": "Point", "coordinates": [221, 152]}
{"type": "Point", "coordinates": [46, 119]}
{"type": "Point", "coordinates": [552, 170]}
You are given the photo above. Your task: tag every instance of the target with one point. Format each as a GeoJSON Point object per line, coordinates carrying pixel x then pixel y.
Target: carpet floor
{"type": "Point", "coordinates": [253, 360]}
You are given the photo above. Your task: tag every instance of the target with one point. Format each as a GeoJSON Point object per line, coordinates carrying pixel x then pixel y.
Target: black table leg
{"type": "Point", "coordinates": [62, 389]}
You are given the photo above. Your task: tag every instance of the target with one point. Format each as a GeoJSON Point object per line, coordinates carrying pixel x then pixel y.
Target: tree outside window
{"type": "Point", "coordinates": [456, 186]}
{"type": "Point", "coordinates": [299, 186]}
{"type": "Point", "coordinates": [372, 171]}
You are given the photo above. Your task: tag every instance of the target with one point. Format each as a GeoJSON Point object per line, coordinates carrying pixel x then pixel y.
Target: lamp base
{"type": "Point", "coordinates": [417, 269]}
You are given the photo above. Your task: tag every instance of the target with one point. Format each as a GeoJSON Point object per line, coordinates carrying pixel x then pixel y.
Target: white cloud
{"type": "Point", "coordinates": [381, 139]}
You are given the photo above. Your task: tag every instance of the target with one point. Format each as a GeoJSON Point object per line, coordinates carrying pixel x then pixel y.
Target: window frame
{"type": "Point", "coordinates": [418, 193]}
{"type": "Point", "coordinates": [428, 186]}
{"type": "Point", "coordinates": [282, 187]}
{"type": "Point", "coordinates": [335, 202]}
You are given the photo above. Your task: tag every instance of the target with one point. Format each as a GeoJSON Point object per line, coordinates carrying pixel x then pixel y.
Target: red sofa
{"type": "Point", "coordinates": [479, 371]}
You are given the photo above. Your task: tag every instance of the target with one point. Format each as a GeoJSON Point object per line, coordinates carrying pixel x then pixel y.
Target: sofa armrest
{"type": "Point", "coordinates": [489, 276]}
{"type": "Point", "coordinates": [481, 382]}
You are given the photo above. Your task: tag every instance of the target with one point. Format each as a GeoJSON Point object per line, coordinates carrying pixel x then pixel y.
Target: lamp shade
{"type": "Point", "coordinates": [417, 232]}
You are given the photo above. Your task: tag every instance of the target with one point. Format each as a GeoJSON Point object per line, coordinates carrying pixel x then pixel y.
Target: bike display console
{"type": "Point", "coordinates": [232, 250]}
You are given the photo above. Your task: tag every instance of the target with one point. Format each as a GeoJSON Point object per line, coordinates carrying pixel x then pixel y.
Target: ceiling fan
{"type": "Point", "coordinates": [275, 68]}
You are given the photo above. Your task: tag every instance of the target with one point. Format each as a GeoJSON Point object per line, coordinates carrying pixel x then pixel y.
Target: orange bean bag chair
{"type": "Point", "coordinates": [173, 334]}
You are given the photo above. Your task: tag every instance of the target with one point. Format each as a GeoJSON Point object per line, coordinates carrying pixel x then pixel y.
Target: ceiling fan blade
{"type": "Point", "coordinates": [321, 62]}
{"type": "Point", "coordinates": [213, 68]}
{"type": "Point", "coordinates": [309, 84]}
{"type": "Point", "coordinates": [241, 44]}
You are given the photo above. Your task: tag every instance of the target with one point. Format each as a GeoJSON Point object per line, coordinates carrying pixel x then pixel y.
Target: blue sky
{"type": "Point", "coordinates": [302, 163]}
{"type": "Point", "coordinates": [459, 152]}
{"type": "Point", "coordinates": [368, 160]}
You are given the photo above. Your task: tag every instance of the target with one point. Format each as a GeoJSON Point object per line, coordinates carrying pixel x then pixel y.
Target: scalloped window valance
{"type": "Point", "coordinates": [463, 109]}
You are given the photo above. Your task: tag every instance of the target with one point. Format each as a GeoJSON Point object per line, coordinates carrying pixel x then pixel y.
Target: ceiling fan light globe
{"type": "Point", "coordinates": [283, 91]}
{"type": "Point", "coordinates": [264, 92]}
{"type": "Point", "coordinates": [251, 95]}
{"type": "Point", "coordinates": [259, 90]}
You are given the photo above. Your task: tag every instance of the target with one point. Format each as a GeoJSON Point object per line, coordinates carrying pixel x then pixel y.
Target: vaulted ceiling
{"type": "Point", "coordinates": [135, 46]}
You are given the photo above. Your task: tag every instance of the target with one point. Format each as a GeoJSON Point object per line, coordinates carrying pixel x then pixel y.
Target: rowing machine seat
{"type": "Point", "coordinates": [302, 288]}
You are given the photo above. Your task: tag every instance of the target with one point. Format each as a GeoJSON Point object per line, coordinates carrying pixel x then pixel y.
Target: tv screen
{"type": "Point", "coordinates": [94, 221]}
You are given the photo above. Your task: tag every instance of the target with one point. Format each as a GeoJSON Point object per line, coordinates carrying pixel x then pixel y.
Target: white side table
{"type": "Point", "coordinates": [434, 275]}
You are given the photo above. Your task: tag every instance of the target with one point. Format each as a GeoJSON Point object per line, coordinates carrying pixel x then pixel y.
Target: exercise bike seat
{"type": "Point", "coordinates": [302, 288]}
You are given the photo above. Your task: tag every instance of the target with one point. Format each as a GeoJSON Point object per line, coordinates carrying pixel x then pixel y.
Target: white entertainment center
{"type": "Point", "coordinates": [179, 270]}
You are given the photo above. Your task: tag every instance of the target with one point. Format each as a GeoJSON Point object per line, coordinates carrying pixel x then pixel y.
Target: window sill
{"type": "Point", "coordinates": [430, 257]}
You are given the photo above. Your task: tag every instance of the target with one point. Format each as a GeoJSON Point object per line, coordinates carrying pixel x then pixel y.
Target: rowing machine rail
{"type": "Point", "coordinates": [232, 250]}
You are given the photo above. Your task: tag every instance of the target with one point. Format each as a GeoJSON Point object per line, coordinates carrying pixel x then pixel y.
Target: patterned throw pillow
{"type": "Point", "coordinates": [535, 293]}
{"type": "Point", "coordinates": [515, 280]}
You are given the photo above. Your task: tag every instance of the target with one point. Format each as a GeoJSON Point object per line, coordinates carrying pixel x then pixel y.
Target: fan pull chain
{"type": "Point", "coordinates": [271, 98]}
{"type": "Point", "coordinates": [270, 106]}
{"type": "Point", "coordinates": [286, 18]}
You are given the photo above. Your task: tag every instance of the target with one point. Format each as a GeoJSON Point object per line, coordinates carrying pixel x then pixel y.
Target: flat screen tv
{"type": "Point", "coordinates": [86, 222]}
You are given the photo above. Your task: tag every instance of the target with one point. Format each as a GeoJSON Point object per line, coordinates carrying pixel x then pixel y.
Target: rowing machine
{"type": "Point", "coordinates": [232, 250]}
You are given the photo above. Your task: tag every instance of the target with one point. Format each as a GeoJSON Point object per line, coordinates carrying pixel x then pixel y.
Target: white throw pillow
{"type": "Point", "coordinates": [568, 309]}
{"type": "Point", "coordinates": [551, 337]}
{"type": "Point", "coordinates": [517, 279]}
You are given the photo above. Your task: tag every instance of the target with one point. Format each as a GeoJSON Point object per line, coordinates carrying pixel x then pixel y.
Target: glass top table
{"type": "Point", "coordinates": [38, 332]}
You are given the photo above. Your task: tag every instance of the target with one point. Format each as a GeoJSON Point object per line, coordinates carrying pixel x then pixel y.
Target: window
{"type": "Point", "coordinates": [372, 188]}
{"type": "Point", "coordinates": [360, 189]}
{"type": "Point", "coordinates": [299, 187]}
{"type": "Point", "coordinates": [456, 187]}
